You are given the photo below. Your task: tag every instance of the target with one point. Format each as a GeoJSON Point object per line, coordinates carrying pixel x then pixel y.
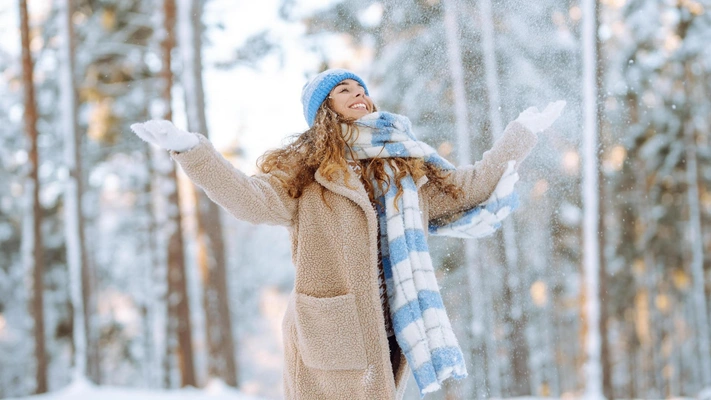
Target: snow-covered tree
{"type": "Point", "coordinates": [662, 155]}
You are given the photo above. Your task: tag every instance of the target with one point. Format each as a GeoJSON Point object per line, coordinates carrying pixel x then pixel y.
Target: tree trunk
{"type": "Point", "coordinates": [490, 66]}
{"type": "Point", "coordinates": [605, 363]}
{"type": "Point", "coordinates": [697, 250]}
{"type": "Point", "coordinates": [151, 300]}
{"type": "Point", "coordinates": [551, 369]}
{"type": "Point", "coordinates": [516, 321]}
{"type": "Point", "coordinates": [178, 308]}
{"type": "Point", "coordinates": [35, 259]}
{"type": "Point", "coordinates": [478, 328]}
{"type": "Point", "coordinates": [590, 195]}
{"type": "Point", "coordinates": [86, 353]}
{"type": "Point", "coordinates": [674, 357]}
{"type": "Point", "coordinates": [211, 249]}
{"type": "Point", "coordinates": [696, 98]}
{"type": "Point", "coordinates": [493, 369]}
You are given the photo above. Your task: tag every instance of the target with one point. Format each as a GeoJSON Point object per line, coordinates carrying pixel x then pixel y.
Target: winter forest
{"type": "Point", "coordinates": [120, 278]}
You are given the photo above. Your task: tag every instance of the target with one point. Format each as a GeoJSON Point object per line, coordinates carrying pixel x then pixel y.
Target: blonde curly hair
{"type": "Point", "coordinates": [324, 147]}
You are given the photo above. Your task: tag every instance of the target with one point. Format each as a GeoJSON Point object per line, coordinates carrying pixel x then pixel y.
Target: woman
{"type": "Point", "coordinates": [356, 191]}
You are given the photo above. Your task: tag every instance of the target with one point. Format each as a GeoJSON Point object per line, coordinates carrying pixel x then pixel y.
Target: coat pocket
{"type": "Point", "coordinates": [329, 332]}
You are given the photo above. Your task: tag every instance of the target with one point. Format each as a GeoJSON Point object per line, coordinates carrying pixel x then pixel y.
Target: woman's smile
{"type": "Point", "coordinates": [349, 100]}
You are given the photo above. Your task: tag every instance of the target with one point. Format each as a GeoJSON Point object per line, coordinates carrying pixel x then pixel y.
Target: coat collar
{"type": "Point", "coordinates": [356, 192]}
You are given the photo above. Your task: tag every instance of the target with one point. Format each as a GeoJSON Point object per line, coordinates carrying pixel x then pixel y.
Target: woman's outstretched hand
{"type": "Point", "coordinates": [165, 135]}
{"type": "Point", "coordinates": [538, 121]}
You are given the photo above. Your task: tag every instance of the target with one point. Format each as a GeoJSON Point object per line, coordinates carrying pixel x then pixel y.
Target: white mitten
{"type": "Point", "coordinates": [165, 135]}
{"type": "Point", "coordinates": [537, 121]}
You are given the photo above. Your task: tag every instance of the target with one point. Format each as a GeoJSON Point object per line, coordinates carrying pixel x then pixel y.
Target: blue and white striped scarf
{"type": "Point", "coordinates": [422, 327]}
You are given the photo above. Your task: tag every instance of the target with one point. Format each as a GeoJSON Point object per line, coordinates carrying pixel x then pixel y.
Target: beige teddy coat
{"type": "Point", "coordinates": [335, 345]}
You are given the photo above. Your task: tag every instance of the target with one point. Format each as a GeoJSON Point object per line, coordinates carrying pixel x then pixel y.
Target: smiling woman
{"type": "Point", "coordinates": [349, 99]}
{"type": "Point", "coordinates": [359, 194]}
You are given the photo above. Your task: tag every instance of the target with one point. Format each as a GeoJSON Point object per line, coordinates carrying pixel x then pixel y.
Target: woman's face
{"type": "Point", "coordinates": [349, 100]}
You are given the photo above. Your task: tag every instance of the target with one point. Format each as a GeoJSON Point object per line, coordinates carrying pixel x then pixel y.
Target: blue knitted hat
{"type": "Point", "coordinates": [316, 91]}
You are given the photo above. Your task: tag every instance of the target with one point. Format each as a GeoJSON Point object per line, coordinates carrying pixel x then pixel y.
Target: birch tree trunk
{"type": "Point", "coordinates": [151, 300]}
{"type": "Point", "coordinates": [591, 251]}
{"type": "Point", "coordinates": [697, 246]}
{"type": "Point", "coordinates": [179, 324]}
{"type": "Point", "coordinates": [35, 253]}
{"type": "Point", "coordinates": [85, 356]}
{"type": "Point", "coordinates": [211, 249]}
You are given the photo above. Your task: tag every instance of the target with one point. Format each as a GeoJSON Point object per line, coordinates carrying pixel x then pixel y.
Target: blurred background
{"type": "Point", "coordinates": [113, 267]}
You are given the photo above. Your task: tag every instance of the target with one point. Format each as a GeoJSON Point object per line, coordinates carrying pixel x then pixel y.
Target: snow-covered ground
{"type": "Point", "coordinates": [216, 390]}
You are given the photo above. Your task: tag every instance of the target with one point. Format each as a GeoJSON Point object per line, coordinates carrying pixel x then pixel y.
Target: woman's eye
{"type": "Point", "coordinates": [343, 90]}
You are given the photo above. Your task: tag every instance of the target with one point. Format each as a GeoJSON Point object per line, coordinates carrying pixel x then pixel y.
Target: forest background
{"type": "Point", "coordinates": [115, 269]}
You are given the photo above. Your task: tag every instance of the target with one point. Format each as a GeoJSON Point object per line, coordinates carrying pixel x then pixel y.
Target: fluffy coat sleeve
{"type": "Point", "coordinates": [257, 199]}
{"type": "Point", "coordinates": [478, 181]}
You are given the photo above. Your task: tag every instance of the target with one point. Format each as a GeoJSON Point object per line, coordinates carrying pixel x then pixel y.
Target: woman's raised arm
{"type": "Point", "coordinates": [256, 199]}
{"type": "Point", "coordinates": [478, 181]}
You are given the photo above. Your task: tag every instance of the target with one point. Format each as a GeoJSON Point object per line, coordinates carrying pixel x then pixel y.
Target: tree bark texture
{"type": "Point", "coordinates": [37, 307]}
{"type": "Point", "coordinates": [212, 262]}
{"type": "Point", "coordinates": [179, 321]}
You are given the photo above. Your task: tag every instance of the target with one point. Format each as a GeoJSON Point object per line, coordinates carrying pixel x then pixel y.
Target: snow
{"type": "Point", "coordinates": [460, 76]}
{"type": "Point", "coordinates": [454, 52]}
{"type": "Point", "coordinates": [84, 390]}
{"type": "Point", "coordinates": [492, 80]}
{"type": "Point", "coordinates": [705, 394]}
